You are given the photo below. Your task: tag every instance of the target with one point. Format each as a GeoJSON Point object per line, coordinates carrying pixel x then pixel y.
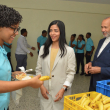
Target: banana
{"type": "Point", "coordinates": [107, 100]}
{"type": "Point", "coordinates": [100, 105]}
{"type": "Point", "coordinates": [86, 102]}
{"type": "Point", "coordinates": [104, 97]}
{"type": "Point", "coordinates": [84, 99]}
{"type": "Point", "coordinates": [106, 106]}
{"type": "Point", "coordinates": [43, 78]}
{"type": "Point", "coordinates": [88, 108]}
{"type": "Point", "coordinates": [96, 98]}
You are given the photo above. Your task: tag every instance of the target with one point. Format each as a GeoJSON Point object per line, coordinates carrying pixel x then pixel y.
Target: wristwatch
{"type": "Point", "coordinates": [64, 88]}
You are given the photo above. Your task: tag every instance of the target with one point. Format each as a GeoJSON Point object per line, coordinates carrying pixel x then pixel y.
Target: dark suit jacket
{"type": "Point", "coordinates": [102, 61]}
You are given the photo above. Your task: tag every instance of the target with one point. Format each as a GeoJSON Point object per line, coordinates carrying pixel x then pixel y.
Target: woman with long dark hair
{"type": "Point", "coordinates": [80, 53]}
{"type": "Point", "coordinates": [57, 60]}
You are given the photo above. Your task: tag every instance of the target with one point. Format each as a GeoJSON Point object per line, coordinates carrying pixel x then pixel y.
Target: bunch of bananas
{"type": "Point", "coordinates": [100, 102]}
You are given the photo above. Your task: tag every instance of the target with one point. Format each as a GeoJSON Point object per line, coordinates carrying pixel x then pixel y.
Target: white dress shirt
{"type": "Point", "coordinates": [105, 43]}
{"type": "Point", "coordinates": [22, 46]}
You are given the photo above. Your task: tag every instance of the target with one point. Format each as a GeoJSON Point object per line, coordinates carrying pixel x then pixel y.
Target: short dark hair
{"type": "Point", "coordinates": [9, 16]}
{"type": "Point", "coordinates": [74, 35]}
{"type": "Point", "coordinates": [44, 31]}
{"type": "Point", "coordinates": [89, 33]}
{"type": "Point", "coordinates": [23, 31]}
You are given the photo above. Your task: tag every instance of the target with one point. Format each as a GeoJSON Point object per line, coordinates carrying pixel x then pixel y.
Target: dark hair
{"type": "Point", "coordinates": [74, 35]}
{"type": "Point", "coordinates": [9, 16]}
{"type": "Point", "coordinates": [23, 31]}
{"type": "Point", "coordinates": [44, 31]}
{"type": "Point", "coordinates": [82, 37]}
{"type": "Point", "coordinates": [62, 39]}
{"type": "Point", "coordinates": [89, 33]}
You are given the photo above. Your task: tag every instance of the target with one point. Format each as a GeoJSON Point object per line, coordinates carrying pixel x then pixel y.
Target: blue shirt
{"type": "Point", "coordinates": [41, 40]}
{"type": "Point", "coordinates": [7, 48]}
{"type": "Point", "coordinates": [80, 45]}
{"type": "Point", "coordinates": [5, 75]}
{"type": "Point", "coordinates": [74, 42]}
{"type": "Point", "coordinates": [89, 44]}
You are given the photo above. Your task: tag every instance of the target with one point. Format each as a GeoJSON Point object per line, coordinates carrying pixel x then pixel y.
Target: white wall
{"type": "Point", "coordinates": [78, 17]}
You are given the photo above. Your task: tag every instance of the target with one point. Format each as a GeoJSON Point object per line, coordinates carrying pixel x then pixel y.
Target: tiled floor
{"type": "Point", "coordinates": [30, 100]}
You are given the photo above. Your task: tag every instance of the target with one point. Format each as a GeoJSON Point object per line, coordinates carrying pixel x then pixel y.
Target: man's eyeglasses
{"type": "Point", "coordinates": [15, 29]}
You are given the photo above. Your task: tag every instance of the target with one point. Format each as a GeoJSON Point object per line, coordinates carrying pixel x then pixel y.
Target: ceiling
{"type": "Point", "coordinates": [92, 1]}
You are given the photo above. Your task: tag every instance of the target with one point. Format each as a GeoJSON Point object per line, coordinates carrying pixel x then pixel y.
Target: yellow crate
{"type": "Point", "coordinates": [70, 104]}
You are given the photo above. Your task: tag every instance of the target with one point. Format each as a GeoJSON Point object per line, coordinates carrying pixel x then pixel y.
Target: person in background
{"type": "Point", "coordinates": [73, 43]}
{"type": "Point", "coordinates": [8, 50]}
{"type": "Point", "coordinates": [9, 27]}
{"type": "Point", "coordinates": [80, 53]}
{"type": "Point", "coordinates": [41, 39]}
{"type": "Point", "coordinates": [57, 60]}
{"type": "Point", "coordinates": [89, 49]}
{"type": "Point", "coordinates": [21, 50]}
{"type": "Point", "coordinates": [100, 66]}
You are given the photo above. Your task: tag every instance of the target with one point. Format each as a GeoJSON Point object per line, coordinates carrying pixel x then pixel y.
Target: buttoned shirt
{"type": "Point", "coordinates": [105, 43]}
{"type": "Point", "coordinates": [5, 75]}
{"type": "Point", "coordinates": [22, 46]}
{"type": "Point", "coordinates": [41, 40]}
{"type": "Point", "coordinates": [89, 44]}
{"type": "Point", "coordinates": [80, 45]}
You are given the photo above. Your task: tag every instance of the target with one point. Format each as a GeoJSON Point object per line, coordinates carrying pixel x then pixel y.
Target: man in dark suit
{"type": "Point", "coordinates": [100, 66]}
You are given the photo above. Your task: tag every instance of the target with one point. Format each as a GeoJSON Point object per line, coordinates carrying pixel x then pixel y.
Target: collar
{"type": "Point", "coordinates": [3, 50]}
{"type": "Point", "coordinates": [22, 36]}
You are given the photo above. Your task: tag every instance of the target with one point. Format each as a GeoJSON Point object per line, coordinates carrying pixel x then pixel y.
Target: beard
{"type": "Point", "coordinates": [107, 34]}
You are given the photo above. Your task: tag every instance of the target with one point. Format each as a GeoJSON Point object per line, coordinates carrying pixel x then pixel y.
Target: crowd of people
{"type": "Point", "coordinates": [56, 59]}
{"type": "Point", "coordinates": [78, 47]}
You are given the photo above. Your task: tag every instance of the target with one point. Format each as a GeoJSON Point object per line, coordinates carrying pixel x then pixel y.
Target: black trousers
{"type": "Point", "coordinates": [80, 59]}
{"type": "Point", "coordinates": [88, 57]}
{"type": "Point", "coordinates": [9, 58]}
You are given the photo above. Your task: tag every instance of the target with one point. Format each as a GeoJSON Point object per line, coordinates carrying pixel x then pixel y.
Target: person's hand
{"type": "Point", "coordinates": [44, 92]}
{"type": "Point", "coordinates": [87, 67]}
{"type": "Point", "coordinates": [31, 54]}
{"type": "Point", "coordinates": [16, 73]}
{"type": "Point", "coordinates": [33, 48]}
{"type": "Point", "coordinates": [71, 40]}
{"type": "Point", "coordinates": [85, 55]}
{"type": "Point", "coordinates": [35, 82]}
{"type": "Point", "coordinates": [94, 70]}
{"type": "Point", "coordinates": [59, 95]}
{"type": "Point", "coordinates": [89, 54]}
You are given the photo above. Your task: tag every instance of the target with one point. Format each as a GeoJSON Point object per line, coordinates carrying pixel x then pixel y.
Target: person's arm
{"type": "Point", "coordinates": [92, 50]}
{"type": "Point", "coordinates": [38, 70]}
{"type": "Point", "coordinates": [81, 47]}
{"type": "Point", "coordinates": [70, 74]}
{"type": "Point", "coordinates": [92, 45]}
{"type": "Point", "coordinates": [72, 45]}
{"type": "Point", "coordinates": [104, 71]}
{"type": "Point", "coordinates": [8, 86]}
{"type": "Point", "coordinates": [38, 45]}
{"type": "Point", "coordinates": [22, 45]}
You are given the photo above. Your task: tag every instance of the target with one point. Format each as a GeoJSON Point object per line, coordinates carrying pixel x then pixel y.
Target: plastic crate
{"type": "Point", "coordinates": [70, 104]}
{"type": "Point", "coordinates": [103, 88]}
